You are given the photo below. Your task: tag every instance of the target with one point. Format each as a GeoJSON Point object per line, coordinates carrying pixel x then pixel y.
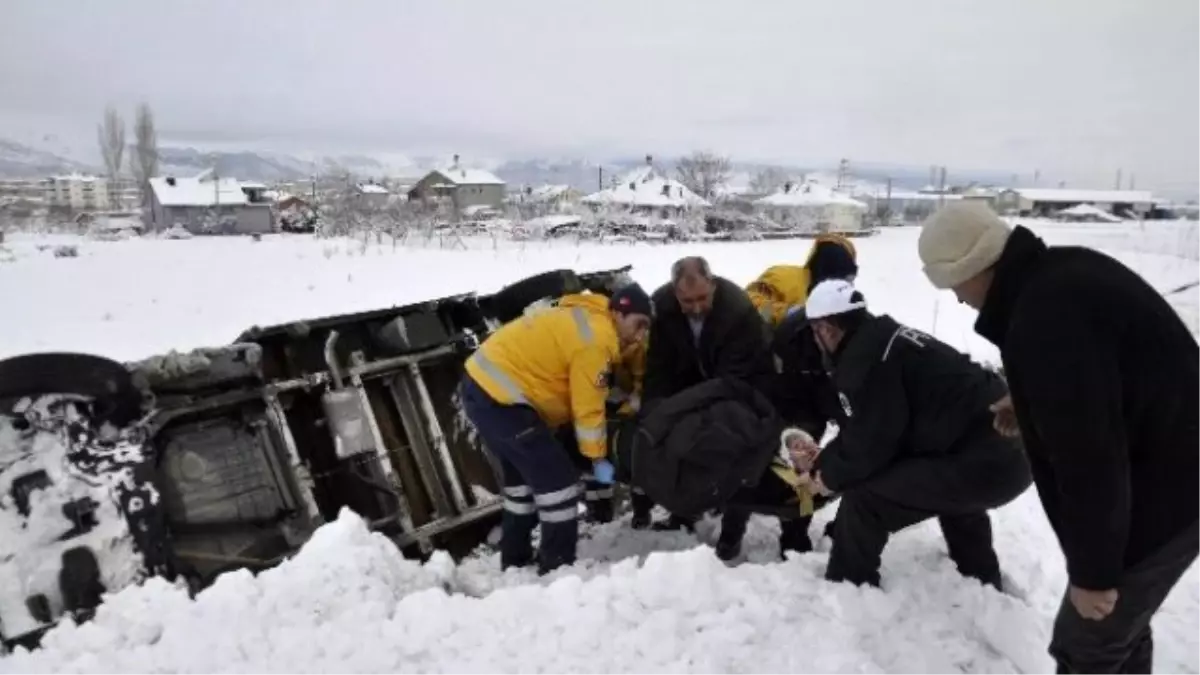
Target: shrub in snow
{"type": "Point", "coordinates": [66, 251]}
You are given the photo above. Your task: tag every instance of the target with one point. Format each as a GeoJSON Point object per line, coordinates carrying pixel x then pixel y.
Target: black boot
{"type": "Point", "coordinates": [793, 535]}
{"type": "Point", "coordinates": [642, 505]}
{"type": "Point", "coordinates": [733, 530]}
{"type": "Point", "coordinates": [599, 511]}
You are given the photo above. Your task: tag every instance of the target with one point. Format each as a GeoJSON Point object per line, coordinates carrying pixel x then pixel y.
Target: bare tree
{"type": "Point", "coordinates": [111, 135]}
{"type": "Point", "coordinates": [704, 172]}
{"type": "Point", "coordinates": [145, 149]}
{"type": "Point", "coordinates": [768, 180]}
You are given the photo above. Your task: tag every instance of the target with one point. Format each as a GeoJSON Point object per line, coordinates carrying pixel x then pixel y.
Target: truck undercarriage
{"type": "Point", "coordinates": [190, 465]}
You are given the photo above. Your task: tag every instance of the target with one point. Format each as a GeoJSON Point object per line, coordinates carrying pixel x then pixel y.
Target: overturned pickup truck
{"type": "Point", "coordinates": [190, 465]}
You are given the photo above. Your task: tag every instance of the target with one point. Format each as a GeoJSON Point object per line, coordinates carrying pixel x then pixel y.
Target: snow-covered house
{"type": "Point", "coordinates": [207, 204]}
{"type": "Point", "coordinates": [814, 207]}
{"type": "Point", "coordinates": [647, 191]}
{"type": "Point", "coordinates": [372, 195]}
{"type": "Point", "coordinates": [461, 186]}
{"type": "Point", "coordinates": [548, 198]}
{"type": "Point", "coordinates": [1048, 201]}
{"type": "Point", "coordinates": [905, 206]}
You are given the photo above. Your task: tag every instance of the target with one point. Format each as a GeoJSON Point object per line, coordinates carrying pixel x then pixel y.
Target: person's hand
{"type": "Point", "coordinates": [1005, 420]}
{"type": "Point", "coordinates": [818, 486]}
{"type": "Point", "coordinates": [1093, 605]}
{"type": "Point", "coordinates": [603, 471]}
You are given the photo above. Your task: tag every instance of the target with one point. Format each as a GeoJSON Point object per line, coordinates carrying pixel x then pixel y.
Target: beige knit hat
{"type": "Point", "coordinates": [959, 241]}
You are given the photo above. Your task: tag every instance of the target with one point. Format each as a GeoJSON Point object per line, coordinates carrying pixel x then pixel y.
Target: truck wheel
{"type": "Point", "coordinates": [510, 302]}
{"type": "Point", "coordinates": [108, 382]}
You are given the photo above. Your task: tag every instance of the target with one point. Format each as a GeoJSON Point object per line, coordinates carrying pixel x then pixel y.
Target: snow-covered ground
{"type": "Point", "coordinates": [348, 602]}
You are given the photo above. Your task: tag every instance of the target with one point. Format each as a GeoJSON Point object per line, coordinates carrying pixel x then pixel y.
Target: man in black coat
{"type": "Point", "coordinates": [1103, 377]}
{"type": "Point", "coordinates": [917, 441]}
{"type": "Point", "coordinates": [704, 327]}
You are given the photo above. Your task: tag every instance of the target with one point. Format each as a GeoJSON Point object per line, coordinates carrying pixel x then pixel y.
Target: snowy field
{"type": "Point", "coordinates": [348, 602]}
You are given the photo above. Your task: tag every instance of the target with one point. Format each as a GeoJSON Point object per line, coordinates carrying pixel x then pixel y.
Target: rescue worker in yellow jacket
{"type": "Point", "coordinates": [782, 287]}
{"type": "Point", "coordinates": [532, 376]}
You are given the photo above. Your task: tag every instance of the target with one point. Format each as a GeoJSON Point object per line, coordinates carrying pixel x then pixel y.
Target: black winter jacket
{"type": "Point", "coordinates": [907, 394]}
{"type": "Point", "coordinates": [802, 389]}
{"type": "Point", "coordinates": [1103, 374]}
{"type": "Point", "coordinates": [694, 450]}
{"type": "Point", "coordinates": [733, 343]}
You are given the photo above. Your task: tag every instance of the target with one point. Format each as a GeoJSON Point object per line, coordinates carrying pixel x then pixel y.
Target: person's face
{"type": "Point", "coordinates": [828, 336]}
{"type": "Point", "coordinates": [631, 328]}
{"type": "Point", "coordinates": [695, 296]}
{"type": "Point", "coordinates": [974, 291]}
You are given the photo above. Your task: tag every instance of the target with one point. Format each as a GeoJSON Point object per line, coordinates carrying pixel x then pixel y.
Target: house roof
{"type": "Point", "coordinates": [197, 191]}
{"type": "Point", "coordinates": [372, 189]}
{"type": "Point", "coordinates": [808, 194]}
{"type": "Point", "coordinates": [1063, 195]}
{"type": "Point", "coordinates": [547, 192]}
{"type": "Point", "coordinates": [647, 187]}
{"type": "Point", "coordinates": [458, 175]}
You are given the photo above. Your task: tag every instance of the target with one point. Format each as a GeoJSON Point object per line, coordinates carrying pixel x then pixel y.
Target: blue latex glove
{"type": "Point", "coordinates": [603, 471]}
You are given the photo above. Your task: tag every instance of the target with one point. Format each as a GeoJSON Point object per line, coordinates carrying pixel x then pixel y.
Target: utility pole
{"type": "Point", "coordinates": [942, 187]}
{"type": "Point", "coordinates": [1131, 180]}
{"type": "Point", "coordinates": [887, 208]}
{"type": "Point", "coordinates": [1117, 185]}
{"type": "Point", "coordinates": [599, 178]}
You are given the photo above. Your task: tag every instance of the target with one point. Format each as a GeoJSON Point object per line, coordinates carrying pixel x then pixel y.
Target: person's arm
{"type": "Point", "coordinates": [659, 366]}
{"type": "Point", "coordinates": [1070, 381]}
{"type": "Point", "coordinates": [870, 439]}
{"type": "Point", "coordinates": [746, 354]}
{"type": "Point", "coordinates": [589, 392]}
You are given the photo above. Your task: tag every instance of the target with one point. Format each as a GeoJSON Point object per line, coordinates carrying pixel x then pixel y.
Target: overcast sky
{"type": "Point", "coordinates": [1076, 88]}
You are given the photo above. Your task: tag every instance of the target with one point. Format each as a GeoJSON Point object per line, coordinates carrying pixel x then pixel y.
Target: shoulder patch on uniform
{"type": "Point", "coordinates": [604, 377]}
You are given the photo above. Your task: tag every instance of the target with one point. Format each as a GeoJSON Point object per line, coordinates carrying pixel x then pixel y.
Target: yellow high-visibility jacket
{"type": "Point", "coordinates": [557, 361]}
{"type": "Point", "coordinates": [781, 287]}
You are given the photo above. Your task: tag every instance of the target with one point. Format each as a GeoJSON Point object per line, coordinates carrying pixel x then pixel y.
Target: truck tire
{"type": "Point", "coordinates": [110, 383]}
{"type": "Point", "coordinates": [510, 302]}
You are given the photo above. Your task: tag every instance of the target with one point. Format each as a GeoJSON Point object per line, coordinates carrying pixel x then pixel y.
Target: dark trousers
{"type": "Point", "coordinates": [1122, 641]}
{"type": "Point", "coordinates": [958, 489]}
{"type": "Point", "coordinates": [771, 496]}
{"type": "Point", "coordinates": [540, 480]}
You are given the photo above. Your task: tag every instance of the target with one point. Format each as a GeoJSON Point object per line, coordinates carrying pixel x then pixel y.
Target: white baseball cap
{"type": "Point", "coordinates": [832, 297]}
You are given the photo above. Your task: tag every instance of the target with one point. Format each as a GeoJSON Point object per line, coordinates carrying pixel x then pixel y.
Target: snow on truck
{"type": "Point", "coordinates": [190, 465]}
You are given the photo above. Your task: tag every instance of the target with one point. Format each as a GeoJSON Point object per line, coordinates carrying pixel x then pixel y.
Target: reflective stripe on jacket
{"type": "Point", "coordinates": [556, 361]}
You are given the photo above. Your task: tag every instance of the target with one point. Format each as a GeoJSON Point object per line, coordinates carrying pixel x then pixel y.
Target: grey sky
{"type": "Point", "coordinates": [1076, 88]}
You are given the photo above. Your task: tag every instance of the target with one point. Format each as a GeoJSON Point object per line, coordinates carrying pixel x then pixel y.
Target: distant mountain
{"type": "Point", "coordinates": [19, 160]}
{"type": "Point", "coordinates": [22, 161]}
{"type": "Point", "coordinates": [43, 159]}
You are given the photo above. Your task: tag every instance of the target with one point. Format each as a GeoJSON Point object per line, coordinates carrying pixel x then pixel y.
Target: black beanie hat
{"type": "Point", "coordinates": [631, 299]}
{"type": "Point", "coordinates": [830, 260]}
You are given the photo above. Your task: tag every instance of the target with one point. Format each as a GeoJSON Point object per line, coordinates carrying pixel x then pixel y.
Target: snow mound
{"type": "Point", "coordinates": [349, 602]}
{"type": "Point", "coordinates": [311, 612]}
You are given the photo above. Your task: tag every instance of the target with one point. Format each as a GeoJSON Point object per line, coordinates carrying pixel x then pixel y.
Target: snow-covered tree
{"type": "Point", "coordinates": [144, 161]}
{"type": "Point", "coordinates": [768, 180]}
{"type": "Point", "coordinates": [111, 135]}
{"type": "Point", "coordinates": [704, 173]}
